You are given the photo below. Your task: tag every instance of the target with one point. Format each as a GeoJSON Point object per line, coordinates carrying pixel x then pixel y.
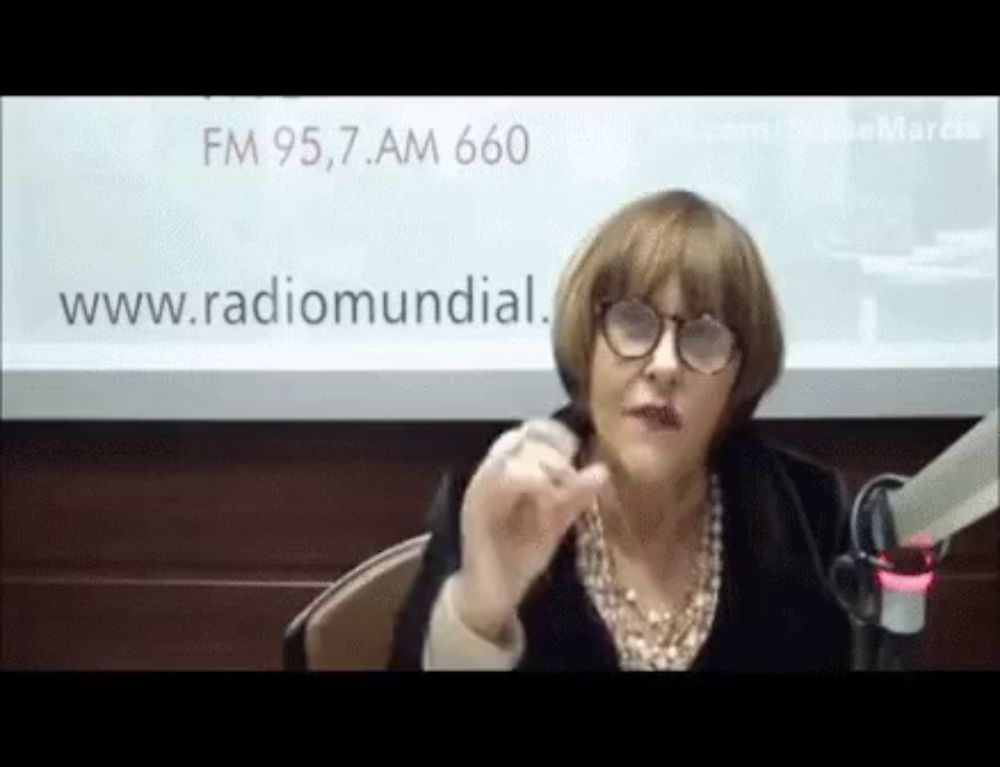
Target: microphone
{"type": "Point", "coordinates": [899, 530]}
{"type": "Point", "coordinates": [955, 490]}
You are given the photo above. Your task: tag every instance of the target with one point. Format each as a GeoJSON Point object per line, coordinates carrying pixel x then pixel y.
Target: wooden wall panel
{"type": "Point", "coordinates": [191, 545]}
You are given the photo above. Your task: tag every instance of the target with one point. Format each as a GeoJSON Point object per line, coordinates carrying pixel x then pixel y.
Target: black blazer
{"type": "Point", "coordinates": [784, 520]}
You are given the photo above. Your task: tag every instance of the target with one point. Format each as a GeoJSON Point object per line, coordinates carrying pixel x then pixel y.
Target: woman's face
{"type": "Point", "coordinates": [654, 417]}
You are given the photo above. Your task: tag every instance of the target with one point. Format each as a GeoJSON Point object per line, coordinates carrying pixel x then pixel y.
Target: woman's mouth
{"type": "Point", "coordinates": [659, 417]}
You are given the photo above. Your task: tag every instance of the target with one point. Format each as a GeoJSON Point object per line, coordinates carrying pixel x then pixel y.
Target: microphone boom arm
{"type": "Point", "coordinates": [900, 528]}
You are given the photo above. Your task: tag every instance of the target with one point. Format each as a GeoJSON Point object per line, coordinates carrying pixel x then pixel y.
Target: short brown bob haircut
{"type": "Point", "coordinates": [636, 251]}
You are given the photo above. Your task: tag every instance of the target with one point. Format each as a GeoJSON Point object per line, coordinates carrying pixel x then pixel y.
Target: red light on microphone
{"type": "Point", "coordinates": [914, 584]}
{"type": "Point", "coordinates": [909, 582]}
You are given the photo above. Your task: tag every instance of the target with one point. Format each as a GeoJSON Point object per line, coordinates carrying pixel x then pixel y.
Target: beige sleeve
{"type": "Point", "coordinates": [453, 646]}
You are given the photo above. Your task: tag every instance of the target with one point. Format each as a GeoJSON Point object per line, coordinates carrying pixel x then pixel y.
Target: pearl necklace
{"type": "Point", "coordinates": [645, 638]}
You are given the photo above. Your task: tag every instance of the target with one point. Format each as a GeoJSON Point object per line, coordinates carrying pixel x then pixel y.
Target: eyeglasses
{"type": "Point", "coordinates": [633, 329]}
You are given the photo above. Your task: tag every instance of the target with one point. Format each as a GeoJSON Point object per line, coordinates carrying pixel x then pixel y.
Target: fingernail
{"type": "Point", "coordinates": [601, 474]}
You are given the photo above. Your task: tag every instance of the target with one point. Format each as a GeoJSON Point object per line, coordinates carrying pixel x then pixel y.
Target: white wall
{"type": "Point", "coordinates": [877, 217]}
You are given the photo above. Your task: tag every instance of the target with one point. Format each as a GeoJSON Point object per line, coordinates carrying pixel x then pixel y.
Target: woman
{"type": "Point", "coordinates": [644, 526]}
